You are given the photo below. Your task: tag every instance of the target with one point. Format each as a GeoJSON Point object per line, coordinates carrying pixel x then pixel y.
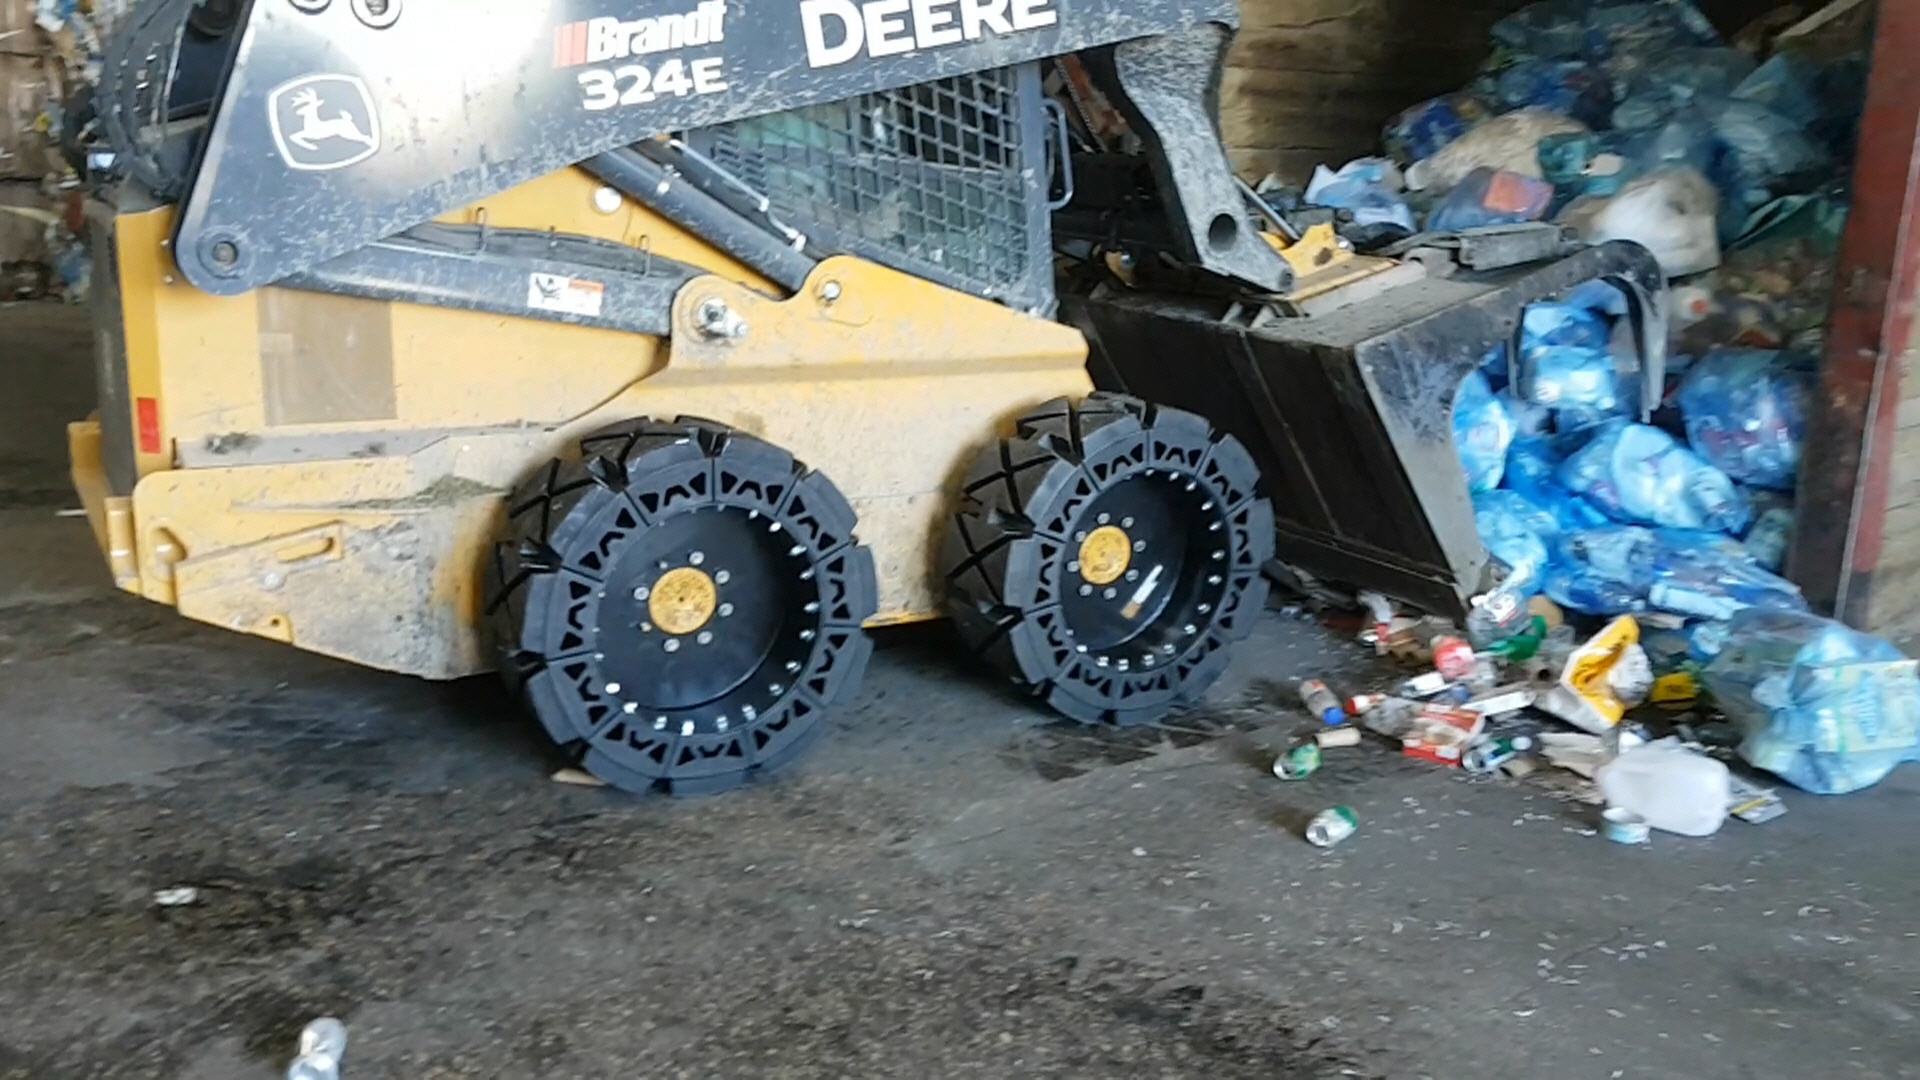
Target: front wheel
{"type": "Point", "coordinates": [1108, 556]}
{"type": "Point", "coordinates": [681, 604]}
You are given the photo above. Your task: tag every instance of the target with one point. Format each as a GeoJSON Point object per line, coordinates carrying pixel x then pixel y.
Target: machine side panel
{"type": "Point", "coordinates": [337, 128]}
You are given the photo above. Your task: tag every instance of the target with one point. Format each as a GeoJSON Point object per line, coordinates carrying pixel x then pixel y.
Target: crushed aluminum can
{"type": "Point", "coordinates": [1331, 826]}
{"type": "Point", "coordinates": [1297, 763]}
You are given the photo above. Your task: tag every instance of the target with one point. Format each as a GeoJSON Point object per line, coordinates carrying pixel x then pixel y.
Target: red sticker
{"type": "Point", "coordinates": [147, 410]}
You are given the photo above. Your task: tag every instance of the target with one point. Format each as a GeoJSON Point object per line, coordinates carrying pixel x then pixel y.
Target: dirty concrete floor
{"type": "Point", "coordinates": [952, 884]}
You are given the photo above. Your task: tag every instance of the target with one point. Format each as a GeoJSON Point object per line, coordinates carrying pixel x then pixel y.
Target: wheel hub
{"type": "Point", "coordinates": [1105, 555]}
{"type": "Point", "coordinates": [683, 600]}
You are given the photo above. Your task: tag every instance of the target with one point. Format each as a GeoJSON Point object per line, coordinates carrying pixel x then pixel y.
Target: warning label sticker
{"type": "Point", "coordinates": [566, 295]}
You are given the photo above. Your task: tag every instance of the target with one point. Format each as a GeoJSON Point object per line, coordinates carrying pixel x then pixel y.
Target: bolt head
{"type": "Point", "coordinates": [705, 638]}
{"type": "Point", "coordinates": [697, 558]}
{"type": "Point", "coordinates": [721, 577]}
{"type": "Point", "coordinates": [672, 644]}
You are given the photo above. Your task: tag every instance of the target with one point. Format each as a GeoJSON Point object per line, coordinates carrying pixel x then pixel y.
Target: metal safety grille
{"type": "Point", "coordinates": [945, 180]}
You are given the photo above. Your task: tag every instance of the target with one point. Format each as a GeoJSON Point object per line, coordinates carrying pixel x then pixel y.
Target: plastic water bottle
{"type": "Point", "coordinates": [1319, 700]}
{"type": "Point", "coordinates": [322, 1044]}
{"type": "Point", "coordinates": [1674, 790]}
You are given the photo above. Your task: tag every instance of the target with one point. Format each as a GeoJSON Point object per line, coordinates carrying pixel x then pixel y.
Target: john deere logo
{"type": "Point", "coordinates": [323, 122]}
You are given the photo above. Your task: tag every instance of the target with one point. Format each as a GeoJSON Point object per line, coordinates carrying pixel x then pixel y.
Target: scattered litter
{"type": "Point", "coordinates": [178, 896]}
{"type": "Point", "coordinates": [1298, 763]}
{"type": "Point", "coordinates": [323, 1044]}
{"type": "Point", "coordinates": [578, 778]}
{"type": "Point", "coordinates": [1623, 826]}
{"type": "Point", "coordinates": [1671, 788]}
{"type": "Point", "coordinates": [1332, 825]}
{"type": "Point", "coordinates": [1336, 737]}
{"type": "Point", "coordinates": [1752, 803]}
{"type": "Point", "coordinates": [1320, 702]}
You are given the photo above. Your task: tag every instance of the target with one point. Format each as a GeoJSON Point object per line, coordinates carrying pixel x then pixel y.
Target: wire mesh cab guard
{"type": "Point", "coordinates": [946, 180]}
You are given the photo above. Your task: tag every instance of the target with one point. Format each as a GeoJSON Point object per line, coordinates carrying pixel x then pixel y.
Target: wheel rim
{"type": "Point", "coordinates": [706, 618]}
{"type": "Point", "coordinates": [1151, 609]}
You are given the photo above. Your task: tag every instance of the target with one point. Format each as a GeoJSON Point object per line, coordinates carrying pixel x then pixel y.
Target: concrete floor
{"type": "Point", "coordinates": [953, 884]}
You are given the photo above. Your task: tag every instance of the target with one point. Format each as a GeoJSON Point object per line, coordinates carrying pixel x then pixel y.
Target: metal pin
{"type": "Point", "coordinates": [719, 723]}
{"type": "Point", "coordinates": [773, 527]}
{"type": "Point", "coordinates": [1104, 518]}
{"type": "Point", "coordinates": [1073, 568]}
{"type": "Point", "coordinates": [1081, 535]}
{"type": "Point", "coordinates": [1147, 660]}
{"type": "Point", "coordinates": [1205, 608]}
{"type": "Point", "coordinates": [776, 689]}
{"type": "Point", "coordinates": [1133, 575]}
{"type": "Point", "coordinates": [1100, 661]}
{"type": "Point", "coordinates": [630, 708]}
{"type": "Point", "coordinates": [749, 713]}
{"type": "Point", "coordinates": [1109, 594]}
{"type": "Point", "coordinates": [641, 593]}
{"type": "Point", "coordinates": [672, 644]}
{"type": "Point", "coordinates": [1218, 555]}
{"type": "Point", "coordinates": [1086, 590]}
{"type": "Point", "coordinates": [721, 577]}
{"type": "Point", "coordinates": [726, 610]}
{"type": "Point", "coordinates": [613, 688]}
{"type": "Point", "coordinates": [1167, 650]}
{"type": "Point", "coordinates": [705, 638]}
{"type": "Point", "coordinates": [812, 606]}
{"type": "Point", "coordinates": [807, 635]}
{"type": "Point", "coordinates": [1208, 505]}
{"type": "Point", "coordinates": [686, 728]}
{"type": "Point", "coordinates": [1126, 523]}
{"type": "Point", "coordinates": [1213, 579]}
{"type": "Point", "coordinates": [1122, 665]}
{"type": "Point", "coordinates": [1190, 629]}
{"type": "Point", "coordinates": [793, 667]}
{"type": "Point", "coordinates": [1215, 527]}
{"type": "Point", "coordinates": [1080, 648]}
{"type": "Point", "coordinates": [1191, 485]}
{"type": "Point", "coordinates": [1139, 546]}
{"type": "Point", "coordinates": [807, 574]}
{"type": "Point", "coordinates": [697, 558]}
{"type": "Point", "coordinates": [599, 656]}
{"type": "Point", "coordinates": [797, 550]}
{"type": "Point", "coordinates": [659, 723]}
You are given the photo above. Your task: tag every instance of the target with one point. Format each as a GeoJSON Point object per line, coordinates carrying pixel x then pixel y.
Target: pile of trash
{"type": "Point", "coordinates": [1824, 707]}
{"type": "Point", "coordinates": [46, 48]}
{"type": "Point", "coordinates": [1626, 119]}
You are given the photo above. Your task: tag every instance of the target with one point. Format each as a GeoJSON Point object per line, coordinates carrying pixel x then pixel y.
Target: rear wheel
{"type": "Point", "coordinates": [1108, 555]}
{"type": "Point", "coordinates": [680, 605]}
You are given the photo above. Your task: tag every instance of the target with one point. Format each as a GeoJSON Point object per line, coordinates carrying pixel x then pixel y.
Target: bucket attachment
{"type": "Point", "coordinates": [1349, 411]}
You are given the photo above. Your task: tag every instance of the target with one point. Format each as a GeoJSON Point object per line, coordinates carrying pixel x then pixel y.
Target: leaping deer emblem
{"type": "Point", "coordinates": [315, 128]}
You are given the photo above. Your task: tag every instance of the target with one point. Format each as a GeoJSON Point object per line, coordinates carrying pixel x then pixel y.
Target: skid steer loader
{"type": "Point", "coordinates": [448, 335]}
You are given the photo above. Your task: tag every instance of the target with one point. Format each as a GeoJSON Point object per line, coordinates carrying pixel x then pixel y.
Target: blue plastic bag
{"type": "Point", "coordinates": [1531, 464]}
{"type": "Point", "coordinates": [1516, 532]}
{"type": "Point", "coordinates": [1569, 87]}
{"type": "Point", "coordinates": [1825, 707]}
{"type": "Point", "coordinates": [1491, 197]}
{"type": "Point", "coordinates": [1564, 360]}
{"type": "Point", "coordinates": [1359, 187]}
{"type": "Point", "coordinates": [1710, 576]}
{"type": "Point", "coordinates": [1482, 432]}
{"type": "Point", "coordinates": [1746, 412]}
{"type": "Point", "coordinates": [1425, 129]}
{"type": "Point", "coordinates": [1639, 474]}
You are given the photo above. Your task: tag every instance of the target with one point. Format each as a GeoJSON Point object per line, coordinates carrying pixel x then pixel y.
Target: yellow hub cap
{"type": "Point", "coordinates": [682, 600]}
{"type": "Point", "coordinates": [1105, 555]}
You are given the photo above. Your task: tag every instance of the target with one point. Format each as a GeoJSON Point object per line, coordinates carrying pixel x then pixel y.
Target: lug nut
{"type": "Point", "coordinates": [672, 644]}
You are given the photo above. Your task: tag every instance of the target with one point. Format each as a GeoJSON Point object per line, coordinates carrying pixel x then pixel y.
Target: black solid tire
{"type": "Point", "coordinates": [1009, 547]}
{"type": "Point", "coordinates": [567, 525]}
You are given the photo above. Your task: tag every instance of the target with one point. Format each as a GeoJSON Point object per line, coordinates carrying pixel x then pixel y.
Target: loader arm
{"type": "Point", "coordinates": [346, 121]}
